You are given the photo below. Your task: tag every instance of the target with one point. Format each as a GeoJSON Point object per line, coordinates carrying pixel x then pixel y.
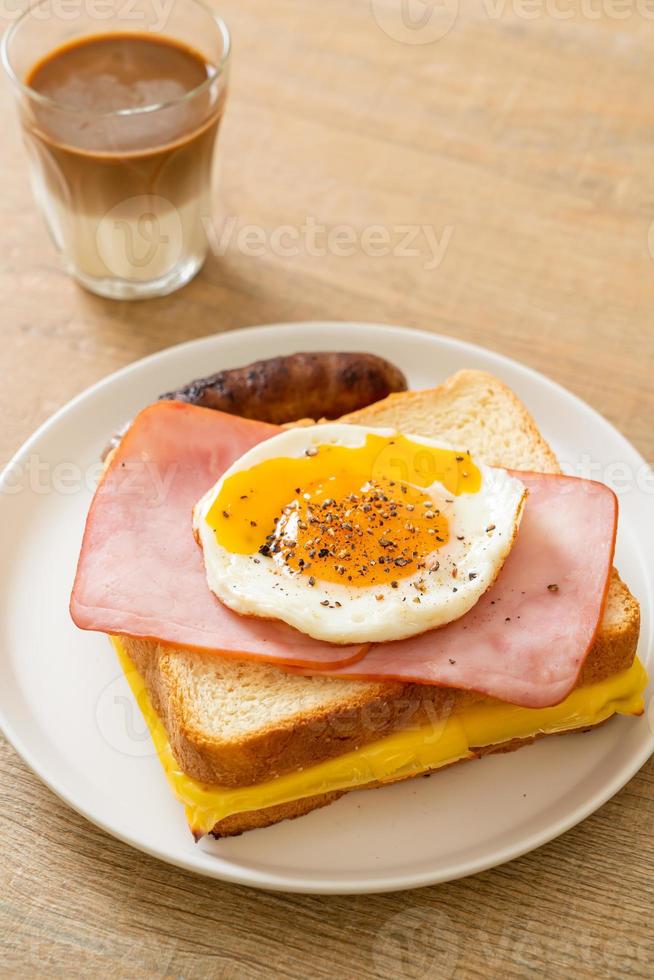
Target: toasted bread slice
{"type": "Point", "coordinates": [238, 723]}
{"type": "Point", "coordinates": [239, 823]}
{"type": "Point", "coordinates": [471, 410]}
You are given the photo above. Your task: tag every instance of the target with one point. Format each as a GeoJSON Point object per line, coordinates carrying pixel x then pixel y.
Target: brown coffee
{"type": "Point", "coordinates": [130, 188]}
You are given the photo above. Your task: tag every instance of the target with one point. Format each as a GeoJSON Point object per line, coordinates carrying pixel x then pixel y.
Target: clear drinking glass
{"type": "Point", "coordinates": [126, 193]}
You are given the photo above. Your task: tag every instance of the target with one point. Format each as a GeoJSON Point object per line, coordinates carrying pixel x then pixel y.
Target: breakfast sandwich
{"type": "Point", "coordinates": [303, 610]}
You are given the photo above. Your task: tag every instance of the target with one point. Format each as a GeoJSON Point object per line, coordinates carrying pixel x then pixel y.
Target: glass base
{"type": "Point", "coordinates": [130, 289]}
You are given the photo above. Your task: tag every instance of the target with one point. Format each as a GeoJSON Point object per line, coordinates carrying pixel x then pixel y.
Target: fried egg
{"type": "Point", "coordinates": [356, 535]}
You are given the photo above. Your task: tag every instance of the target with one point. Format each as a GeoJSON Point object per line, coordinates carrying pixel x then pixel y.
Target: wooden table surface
{"type": "Point", "coordinates": [524, 140]}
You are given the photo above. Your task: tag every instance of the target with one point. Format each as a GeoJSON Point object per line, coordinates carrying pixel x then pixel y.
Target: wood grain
{"type": "Point", "coordinates": [531, 138]}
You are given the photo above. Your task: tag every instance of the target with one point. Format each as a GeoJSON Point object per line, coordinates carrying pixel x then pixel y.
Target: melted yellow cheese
{"type": "Point", "coordinates": [405, 753]}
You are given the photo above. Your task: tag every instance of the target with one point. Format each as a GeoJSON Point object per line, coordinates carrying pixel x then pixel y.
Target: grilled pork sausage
{"type": "Point", "coordinates": [305, 385]}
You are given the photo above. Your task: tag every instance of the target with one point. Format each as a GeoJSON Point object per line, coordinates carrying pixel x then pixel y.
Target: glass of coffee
{"type": "Point", "coordinates": [120, 108]}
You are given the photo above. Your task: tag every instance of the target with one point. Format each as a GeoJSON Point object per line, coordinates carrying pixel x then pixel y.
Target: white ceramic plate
{"type": "Point", "coordinates": [66, 708]}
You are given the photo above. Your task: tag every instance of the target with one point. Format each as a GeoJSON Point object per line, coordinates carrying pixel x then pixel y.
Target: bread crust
{"type": "Point", "coordinates": [488, 393]}
{"type": "Point", "coordinates": [305, 739]}
{"type": "Point", "coordinates": [239, 823]}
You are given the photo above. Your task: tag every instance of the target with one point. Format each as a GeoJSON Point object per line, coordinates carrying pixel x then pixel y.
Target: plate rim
{"type": "Point", "coordinates": [270, 881]}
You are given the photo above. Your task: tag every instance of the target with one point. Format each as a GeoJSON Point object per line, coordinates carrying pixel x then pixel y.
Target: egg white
{"type": "Point", "coordinates": [486, 521]}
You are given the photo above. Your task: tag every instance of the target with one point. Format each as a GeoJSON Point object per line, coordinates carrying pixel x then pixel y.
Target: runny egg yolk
{"type": "Point", "coordinates": [363, 535]}
{"type": "Point", "coordinates": [355, 515]}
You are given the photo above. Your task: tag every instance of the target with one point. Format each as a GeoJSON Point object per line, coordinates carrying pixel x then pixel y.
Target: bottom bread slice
{"type": "Point", "coordinates": [239, 823]}
{"type": "Point", "coordinates": [477, 728]}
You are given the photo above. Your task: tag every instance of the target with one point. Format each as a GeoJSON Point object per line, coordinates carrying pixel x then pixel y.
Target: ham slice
{"type": "Point", "coordinates": [141, 574]}
{"type": "Point", "coordinates": [140, 571]}
{"type": "Point", "coordinates": [526, 639]}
